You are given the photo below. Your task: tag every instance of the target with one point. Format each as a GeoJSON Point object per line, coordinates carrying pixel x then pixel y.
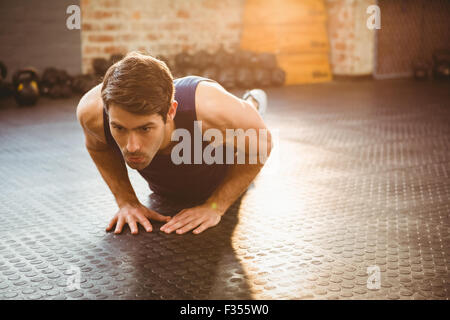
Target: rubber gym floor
{"type": "Point", "coordinates": [358, 179]}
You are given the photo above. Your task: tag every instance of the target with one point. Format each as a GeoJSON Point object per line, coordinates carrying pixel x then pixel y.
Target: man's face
{"type": "Point", "coordinates": [139, 137]}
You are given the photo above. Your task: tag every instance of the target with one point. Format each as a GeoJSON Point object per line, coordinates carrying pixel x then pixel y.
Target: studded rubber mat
{"type": "Point", "coordinates": [361, 181]}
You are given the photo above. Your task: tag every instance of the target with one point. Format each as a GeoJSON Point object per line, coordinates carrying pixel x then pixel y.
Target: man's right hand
{"type": "Point", "coordinates": [132, 214]}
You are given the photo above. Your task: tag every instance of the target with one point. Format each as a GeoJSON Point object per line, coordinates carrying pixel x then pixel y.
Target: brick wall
{"type": "Point", "coordinates": [351, 42]}
{"type": "Point", "coordinates": [159, 27]}
{"type": "Point", "coordinates": [167, 27]}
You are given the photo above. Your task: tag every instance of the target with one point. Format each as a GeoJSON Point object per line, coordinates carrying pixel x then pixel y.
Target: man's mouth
{"type": "Point", "coordinates": [135, 159]}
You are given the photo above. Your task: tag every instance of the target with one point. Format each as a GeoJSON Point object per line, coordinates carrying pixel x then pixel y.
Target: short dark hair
{"type": "Point", "coordinates": [140, 84]}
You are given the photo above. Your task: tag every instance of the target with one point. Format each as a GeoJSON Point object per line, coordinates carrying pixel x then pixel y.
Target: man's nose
{"type": "Point", "coordinates": [132, 144]}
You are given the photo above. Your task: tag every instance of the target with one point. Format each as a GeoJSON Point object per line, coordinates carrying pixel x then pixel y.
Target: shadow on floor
{"type": "Point", "coordinates": [171, 266]}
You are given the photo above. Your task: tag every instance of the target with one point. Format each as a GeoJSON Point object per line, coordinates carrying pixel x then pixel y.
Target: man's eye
{"type": "Point", "coordinates": [118, 128]}
{"type": "Point", "coordinates": [146, 129]}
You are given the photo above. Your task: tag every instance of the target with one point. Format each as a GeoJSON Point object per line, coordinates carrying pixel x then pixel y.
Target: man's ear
{"type": "Point", "coordinates": [172, 110]}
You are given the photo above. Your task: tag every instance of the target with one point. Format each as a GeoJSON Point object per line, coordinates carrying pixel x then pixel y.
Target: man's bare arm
{"type": "Point", "coordinates": [108, 162]}
{"type": "Point", "coordinates": [236, 181]}
{"type": "Point", "coordinates": [230, 112]}
{"type": "Point", "coordinates": [221, 110]}
{"type": "Point", "coordinates": [112, 168]}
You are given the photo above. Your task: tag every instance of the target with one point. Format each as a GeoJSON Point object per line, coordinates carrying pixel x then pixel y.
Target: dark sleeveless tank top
{"type": "Point", "coordinates": [183, 181]}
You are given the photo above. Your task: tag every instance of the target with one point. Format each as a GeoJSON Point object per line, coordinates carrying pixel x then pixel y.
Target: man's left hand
{"type": "Point", "coordinates": [200, 217]}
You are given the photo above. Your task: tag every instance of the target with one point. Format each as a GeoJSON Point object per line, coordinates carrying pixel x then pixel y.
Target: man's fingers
{"type": "Point", "coordinates": [146, 224]}
{"type": "Point", "coordinates": [182, 215]}
{"type": "Point", "coordinates": [191, 225]}
{"type": "Point", "coordinates": [119, 225]}
{"type": "Point", "coordinates": [111, 223]}
{"type": "Point", "coordinates": [158, 217]}
{"type": "Point", "coordinates": [203, 227]}
{"type": "Point", "coordinates": [175, 223]}
{"type": "Point", "coordinates": [133, 225]}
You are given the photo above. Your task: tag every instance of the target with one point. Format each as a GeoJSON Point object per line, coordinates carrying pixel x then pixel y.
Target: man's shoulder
{"type": "Point", "coordinates": [90, 113]}
{"type": "Point", "coordinates": [217, 108]}
{"type": "Point", "coordinates": [207, 101]}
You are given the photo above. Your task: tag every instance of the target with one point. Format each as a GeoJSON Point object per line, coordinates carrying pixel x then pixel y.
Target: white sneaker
{"type": "Point", "coordinates": [261, 98]}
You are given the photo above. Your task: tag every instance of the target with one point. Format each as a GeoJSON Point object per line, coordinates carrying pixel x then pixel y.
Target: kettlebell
{"type": "Point", "coordinates": [26, 87]}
